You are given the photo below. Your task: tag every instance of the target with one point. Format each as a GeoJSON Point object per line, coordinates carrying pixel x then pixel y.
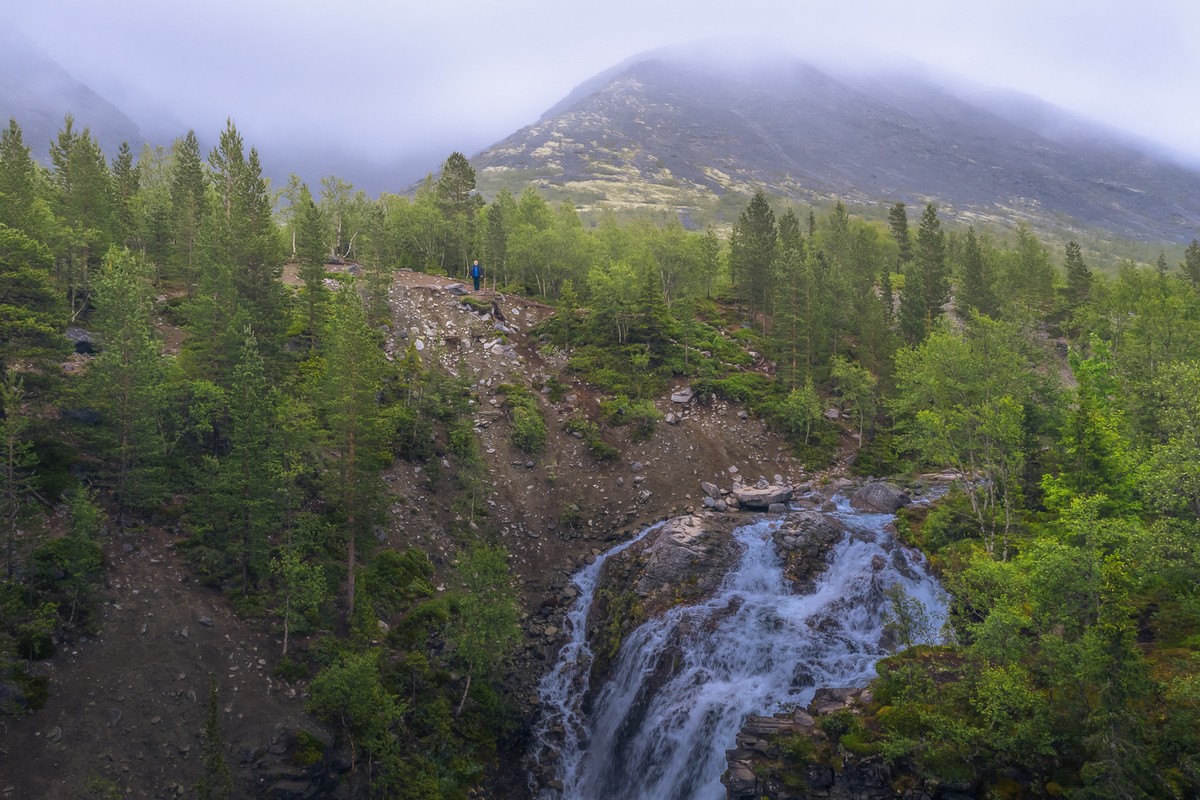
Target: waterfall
{"type": "Point", "coordinates": [683, 683]}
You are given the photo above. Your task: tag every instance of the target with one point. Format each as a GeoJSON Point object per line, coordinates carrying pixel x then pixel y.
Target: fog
{"type": "Point", "coordinates": [381, 91]}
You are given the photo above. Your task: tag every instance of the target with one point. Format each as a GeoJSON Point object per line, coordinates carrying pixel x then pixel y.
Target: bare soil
{"type": "Point", "coordinates": [127, 706]}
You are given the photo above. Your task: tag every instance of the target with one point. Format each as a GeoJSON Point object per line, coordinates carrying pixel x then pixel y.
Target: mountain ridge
{"type": "Point", "coordinates": [656, 130]}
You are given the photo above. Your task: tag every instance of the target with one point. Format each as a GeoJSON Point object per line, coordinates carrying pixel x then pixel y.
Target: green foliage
{"type": "Point", "coordinates": [589, 431]}
{"type": "Point", "coordinates": [217, 781]}
{"type": "Point", "coordinates": [640, 415]}
{"type": "Point", "coordinates": [528, 425]}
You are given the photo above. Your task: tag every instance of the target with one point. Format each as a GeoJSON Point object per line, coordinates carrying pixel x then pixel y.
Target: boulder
{"type": "Point", "coordinates": [880, 497]}
{"type": "Point", "coordinates": [457, 289]}
{"type": "Point", "coordinates": [762, 498]}
{"type": "Point", "coordinates": [710, 489]}
{"type": "Point", "coordinates": [684, 395]}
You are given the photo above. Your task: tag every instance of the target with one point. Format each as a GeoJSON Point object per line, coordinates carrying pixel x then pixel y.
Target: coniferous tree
{"type": "Point", "coordinates": [129, 380]}
{"type": "Point", "coordinates": [310, 252]}
{"type": "Point", "coordinates": [500, 214]}
{"type": "Point", "coordinates": [1191, 263]}
{"type": "Point", "coordinates": [930, 260]}
{"type": "Point", "coordinates": [1079, 277]}
{"type": "Point", "coordinates": [125, 181]}
{"type": "Point", "coordinates": [458, 204]}
{"type": "Point", "coordinates": [188, 209]}
{"type": "Point", "coordinates": [898, 225]}
{"type": "Point", "coordinates": [752, 252]}
{"type": "Point", "coordinates": [83, 200]}
{"type": "Point", "coordinates": [17, 461]}
{"type": "Point", "coordinates": [977, 292]}
{"type": "Point", "coordinates": [19, 200]}
{"type": "Point", "coordinates": [217, 782]}
{"type": "Point", "coordinates": [354, 368]}
{"type": "Point", "coordinates": [31, 311]}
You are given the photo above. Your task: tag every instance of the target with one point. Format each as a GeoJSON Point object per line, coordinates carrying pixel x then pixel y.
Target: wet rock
{"type": "Point", "coordinates": [880, 497]}
{"type": "Point", "coordinates": [762, 498]}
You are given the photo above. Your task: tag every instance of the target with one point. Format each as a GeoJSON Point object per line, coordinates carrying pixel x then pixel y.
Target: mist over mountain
{"type": "Point", "coordinates": [662, 128]}
{"type": "Point", "coordinates": [38, 93]}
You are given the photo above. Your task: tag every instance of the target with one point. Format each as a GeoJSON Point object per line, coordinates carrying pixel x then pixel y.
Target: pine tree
{"type": "Point", "coordinates": [458, 203]}
{"type": "Point", "coordinates": [129, 380]}
{"type": "Point", "coordinates": [354, 368]}
{"type": "Point", "coordinates": [125, 180]}
{"type": "Point", "coordinates": [752, 252]}
{"type": "Point", "coordinates": [500, 214]}
{"type": "Point", "coordinates": [188, 209]}
{"type": "Point", "coordinates": [1191, 263]}
{"type": "Point", "coordinates": [83, 199]}
{"type": "Point", "coordinates": [18, 184]}
{"type": "Point", "coordinates": [31, 312]}
{"type": "Point", "coordinates": [898, 225]}
{"type": "Point", "coordinates": [1079, 277]}
{"type": "Point", "coordinates": [310, 252]}
{"type": "Point", "coordinates": [930, 260]}
{"type": "Point", "coordinates": [217, 782]}
{"type": "Point", "coordinates": [977, 292]}
{"type": "Point", "coordinates": [17, 461]}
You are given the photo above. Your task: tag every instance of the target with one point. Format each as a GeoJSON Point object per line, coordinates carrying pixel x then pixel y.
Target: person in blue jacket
{"type": "Point", "coordinates": [476, 273]}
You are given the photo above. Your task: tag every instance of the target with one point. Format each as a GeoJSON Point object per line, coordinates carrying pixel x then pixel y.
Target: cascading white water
{"type": "Point", "coordinates": [683, 683]}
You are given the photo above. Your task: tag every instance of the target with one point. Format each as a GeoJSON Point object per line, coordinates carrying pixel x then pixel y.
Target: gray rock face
{"type": "Point", "coordinates": [880, 497]}
{"type": "Point", "coordinates": [762, 498]}
{"type": "Point", "coordinates": [683, 395]}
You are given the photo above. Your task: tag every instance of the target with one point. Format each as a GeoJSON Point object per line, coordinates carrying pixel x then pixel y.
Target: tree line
{"type": "Point", "coordinates": [1062, 400]}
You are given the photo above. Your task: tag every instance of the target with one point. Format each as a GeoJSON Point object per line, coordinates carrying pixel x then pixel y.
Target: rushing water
{"type": "Point", "coordinates": [683, 683]}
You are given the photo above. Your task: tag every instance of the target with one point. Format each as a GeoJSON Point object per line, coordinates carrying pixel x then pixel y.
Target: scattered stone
{"type": "Point", "coordinates": [832, 413]}
{"type": "Point", "coordinates": [880, 497]}
{"type": "Point", "coordinates": [55, 735]}
{"type": "Point", "coordinates": [743, 415]}
{"type": "Point", "coordinates": [683, 396]}
{"type": "Point", "coordinates": [762, 498]}
{"type": "Point", "coordinates": [671, 419]}
{"type": "Point", "coordinates": [733, 470]}
{"type": "Point", "coordinates": [206, 621]}
{"type": "Point", "coordinates": [638, 480]}
{"type": "Point", "coordinates": [710, 489]}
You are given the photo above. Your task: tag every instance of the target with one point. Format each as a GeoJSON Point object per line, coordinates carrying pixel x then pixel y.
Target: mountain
{"type": "Point", "coordinates": [38, 93]}
{"type": "Point", "coordinates": [665, 131]}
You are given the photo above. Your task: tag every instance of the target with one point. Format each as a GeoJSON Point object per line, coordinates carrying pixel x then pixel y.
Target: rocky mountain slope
{"type": "Point", "coordinates": [126, 712]}
{"type": "Point", "coordinates": [38, 93]}
{"type": "Point", "coordinates": [668, 132]}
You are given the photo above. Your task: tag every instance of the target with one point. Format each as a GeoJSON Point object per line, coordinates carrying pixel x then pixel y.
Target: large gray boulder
{"type": "Point", "coordinates": [762, 498]}
{"type": "Point", "coordinates": [880, 497]}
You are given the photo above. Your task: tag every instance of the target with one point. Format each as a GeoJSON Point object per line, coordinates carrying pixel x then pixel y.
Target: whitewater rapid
{"type": "Point", "coordinates": [683, 683]}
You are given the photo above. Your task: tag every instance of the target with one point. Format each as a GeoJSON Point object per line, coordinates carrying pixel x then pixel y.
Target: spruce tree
{"type": "Point", "coordinates": [32, 316]}
{"type": "Point", "coordinates": [126, 180]}
{"type": "Point", "coordinates": [977, 292]}
{"type": "Point", "coordinates": [18, 184]}
{"type": "Point", "coordinates": [217, 782]}
{"type": "Point", "coordinates": [1079, 277]}
{"type": "Point", "coordinates": [17, 462]}
{"type": "Point", "coordinates": [1191, 263]}
{"type": "Point", "coordinates": [752, 253]}
{"type": "Point", "coordinates": [129, 381]}
{"type": "Point", "coordinates": [310, 252]}
{"type": "Point", "coordinates": [898, 225]}
{"type": "Point", "coordinates": [354, 368]}
{"type": "Point", "coordinates": [930, 260]}
{"type": "Point", "coordinates": [188, 209]}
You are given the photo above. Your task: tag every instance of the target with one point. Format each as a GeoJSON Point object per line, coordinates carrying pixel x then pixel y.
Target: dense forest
{"type": "Point", "coordinates": [223, 380]}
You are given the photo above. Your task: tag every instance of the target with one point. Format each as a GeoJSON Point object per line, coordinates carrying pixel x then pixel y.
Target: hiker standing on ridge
{"type": "Point", "coordinates": [476, 273]}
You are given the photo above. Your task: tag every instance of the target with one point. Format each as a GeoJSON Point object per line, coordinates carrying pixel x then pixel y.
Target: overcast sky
{"type": "Point", "coordinates": [405, 80]}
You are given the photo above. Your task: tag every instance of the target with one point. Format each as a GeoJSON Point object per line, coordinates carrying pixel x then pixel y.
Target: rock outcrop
{"type": "Point", "coordinates": [880, 497]}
